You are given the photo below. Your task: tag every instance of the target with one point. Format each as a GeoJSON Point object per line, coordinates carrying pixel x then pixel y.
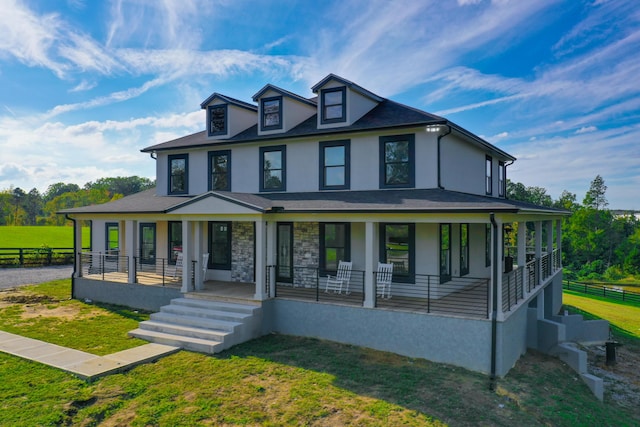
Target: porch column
{"type": "Point", "coordinates": [522, 251]}
{"type": "Point", "coordinates": [498, 260]}
{"type": "Point", "coordinates": [259, 237]}
{"type": "Point", "coordinates": [369, 258]}
{"type": "Point", "coordinates": [130, 247]}
{"type": "Point", "coordinates": [197, 243]}
{"type": "Point", "coordinates": [187, 255]}
{"type": "Point", "coordinates": [270, 251]}
{"type": "Point", "coordinates": [77, 239]}
{"type": "Point", "coordinates": [122, 235]}
{"type": "Point", "coordinates": [538, 240]}
{"type": "Point", "coordinates": [559, 241]}
{"type": "Point", "coordinates": [549, 227]}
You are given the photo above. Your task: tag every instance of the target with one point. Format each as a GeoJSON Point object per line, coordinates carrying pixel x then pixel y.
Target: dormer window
{"type": "Point", "coordinates": [271, 113]}
{"type": "Point", "coordinates": [217, 119]}
{"type": "Point", "coordinates": [333, 104]}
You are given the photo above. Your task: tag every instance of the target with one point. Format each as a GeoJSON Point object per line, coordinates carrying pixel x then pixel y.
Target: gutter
{"type": "Point", "coordinates": [75, 254]}
{"type": "Point", "coordinates": [439, 138]}
{"type": "Point", "coordinates": [494, 311]}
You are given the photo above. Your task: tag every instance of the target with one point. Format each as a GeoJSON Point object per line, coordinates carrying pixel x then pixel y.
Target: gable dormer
{"type": "Point", "coordinates": [280, 111]}
{"type": "Point", "coordinates": [227, 116]}
{"type": "Point", "coordinates": [341, 102]}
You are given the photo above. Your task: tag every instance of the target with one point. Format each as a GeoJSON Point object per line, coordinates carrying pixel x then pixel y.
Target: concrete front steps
{"type": "Point", "coordinates": [201, 325]}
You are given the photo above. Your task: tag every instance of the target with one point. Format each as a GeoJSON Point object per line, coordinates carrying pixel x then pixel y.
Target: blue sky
{"type": "Point", "coordinates": [85, 84]}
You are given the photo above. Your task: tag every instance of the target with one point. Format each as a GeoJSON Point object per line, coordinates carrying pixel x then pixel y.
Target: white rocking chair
{"type": "Point", "coordinates": [384, 276]}
{"type": "Point", "coordinates": [340, 280]}
{"type": "Point", "coordinates": [205, 266]}
{"type": "Point", "coordinates": [178, 266]}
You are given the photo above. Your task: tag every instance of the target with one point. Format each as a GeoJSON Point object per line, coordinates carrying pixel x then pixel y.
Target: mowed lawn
{"type": "Point", "coordinates": [625, 317]}
{"type": "Point", "coordinates": [38, 236]}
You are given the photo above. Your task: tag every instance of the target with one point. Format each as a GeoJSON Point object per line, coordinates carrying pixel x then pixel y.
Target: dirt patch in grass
{"type": "Point", "coordinates": [37, 305]}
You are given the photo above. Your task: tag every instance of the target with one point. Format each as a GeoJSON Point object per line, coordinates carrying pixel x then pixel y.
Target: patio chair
{"type": "Point", "coordinates": [384, 276]}
{"type": "Point", "coordinates": [340, 280]}
{"type": "Point", "coordinates": [178, 266]}
{"type": "Point", "coordinates": [205, 266]}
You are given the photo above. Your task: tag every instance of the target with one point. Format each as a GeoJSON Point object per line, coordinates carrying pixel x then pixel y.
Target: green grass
{"type": "Point", "coordinates": [37, 236]}
{"type": "Point", "coordinates": [279, 380]}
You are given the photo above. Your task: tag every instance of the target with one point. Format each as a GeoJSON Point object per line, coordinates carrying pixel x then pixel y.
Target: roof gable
{"type": "Point", "coordinates": [228, 100]}
{"type": "Point", "coordinates": [282, 92]}
{"type": "Point", "coordinates": [351, 85]}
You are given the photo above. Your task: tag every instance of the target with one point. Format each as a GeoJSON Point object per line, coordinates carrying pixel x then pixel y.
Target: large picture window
{"type": "Point", "coordinates": [333, 105]}
{"type": "Point", "coordinates": [334, 165]}
{"type": "Point", "coordinates": [398, 248]}
{"type": "Point", "coordinates": [464, 249]}
{"type": "Point", "coordinates": [397, 161]}
{"type": "Point", "coordinates": [217, 119]}
{"type": "Point", "coordinates": [489, 175]}
{"type": "Point", "coordinates": [271, 113]}
{"type": "Point", "coordinates": [175, 240]}
{"type": "Point", "coordinates": [334, 245]}
{"type": "Point", "coordinates": [147, 243]}
{"type": "Point", "coordinates": [220, 170]}
{"type": "Point", "coordinates": [220, 245]}
{"type": "Point", "coordinates": [178, 174]}
{"type": "Point", "coordinates": [273, 168]}
{"type": "Point", "coordinates": [445, 252]}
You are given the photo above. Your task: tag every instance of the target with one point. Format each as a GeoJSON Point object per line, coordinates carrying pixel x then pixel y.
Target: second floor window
{"type": "Point", "coordinates": [502, 179]}
{"type": "Point", "coordinates": [271, 113]}
{"type": "Point", "coordinates": [397, 162]}
{"type": "Point", "coordinates": [220, 170]}
{"type": "Point", "coordinates": [178, 174]}
{"type": "Point", "coordinates": [333, 105]}
{"type": "Point", "coordinates": [273, 167]}
{"type": "Point", "coordinates": [217, 120]}
{"type": "Point", "coordinates": [334, 165]}
{"type": "Point", "coordinates": [489, 175]}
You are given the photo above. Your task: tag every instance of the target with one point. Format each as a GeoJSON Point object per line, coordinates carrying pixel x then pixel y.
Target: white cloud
{"type": "Point", "coordinates": [84, 85]}
{"type": "Point", "coordinates": [586, 129]}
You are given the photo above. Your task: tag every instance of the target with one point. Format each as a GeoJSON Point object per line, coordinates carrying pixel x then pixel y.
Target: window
{"type": "Point", "coordinates": [398, 248]}
{"type": "Point", "coordinates": [334, 165]}
{"type": "Point", "coordinates": [217, 119]}
{"type": "Point", "coordinates": [111, 238]}
{"type": "Point", "coordinates": [147, 243]}
{"type": "Point", "coordinates": [178, 174]}
{"type": "Point", "coordinates": [487, 245]}
{"type": "Point", "coordinates": [271, 113]}
{"type": "Point", "coordinates": [175, 241]}
{"type": "Point", "coordinates": [220, 245]}
{"type": "Point", "coordinates": [335, 239]}
{"type": "Point", "coordinates": [502, 179]}
{"type": "Point", "coordinates": [464, 249]}
{"type": "Point", "coordinates": [273, 168]}
{"type": "Point", "coordinates": [397, 161]}
{"type": "Point", "coordinates": [333, 105]}
{"type": "Point", "coordinates": [445, 252]}
{"type": "Point", "coordinates": [220, 170]}
{"type": "Point", "coordinates": [489, 175]}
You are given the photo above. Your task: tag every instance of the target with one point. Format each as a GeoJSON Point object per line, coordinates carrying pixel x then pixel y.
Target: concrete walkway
{"type": "Point", "coordinates": [84, 365]}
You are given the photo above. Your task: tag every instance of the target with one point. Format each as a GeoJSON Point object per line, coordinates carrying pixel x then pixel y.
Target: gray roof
{"type": "Point", "coordinates": [284, 92]}
{"type": "Point", "coordinates": [228, 100]}
{"type": "Point", "coordinates": [347, 83]}
{"type": "Point", "coordinates": [371, 201]}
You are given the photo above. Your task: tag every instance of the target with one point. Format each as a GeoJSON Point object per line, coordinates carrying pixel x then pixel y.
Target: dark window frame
{"type": "Point", "coordinates": [225, 130]}
{"type": "Point", "coordinates": [228, 250]}
{"type": "Point", "coordinates": [283, 169]}
{"type": "Point", "coordinates": [409, 277]}
{"type": "Point", "coordinates": [171, 252]}
{"type": "Point", "coordinates": [464, 250]}
{"type": "Point", "coordinates": [107, 240]}
{"type": "Point", "coordinates": [153, 253]}
{"type": "Point", "coordinates": [445, 276]}
{"type": "Point", "coordinates": [502, 179]}
{"type": "Point", "coordinates": [211, 155]}
{"type": "Point", "coordinates": [488, 172]}
{"type": "Point", "coordinates": [346, 143]}
{"type": "Point", "coordinates": [263, 126]}
{"type": "Point", "coordinates": [323, 107]}
{"type": "Point", "coordinates": [170, 175]}
{"type": "Point", "coordinates": [323, 246]}
{"type": "Point", "coordinates": [411, 162]}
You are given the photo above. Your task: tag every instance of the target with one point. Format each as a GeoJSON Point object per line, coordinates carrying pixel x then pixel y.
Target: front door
{"type": "Point", "coordinates": [284, 271]}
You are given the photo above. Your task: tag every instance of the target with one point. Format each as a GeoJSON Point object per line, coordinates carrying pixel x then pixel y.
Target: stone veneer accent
{"type": "Point", "coordinates": [242, 238]}
{"type": "Point", "coordinates": [306, 253]}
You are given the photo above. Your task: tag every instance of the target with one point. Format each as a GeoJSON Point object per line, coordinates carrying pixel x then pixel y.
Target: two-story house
{"type": "Point", "coordinates": [252, 215]}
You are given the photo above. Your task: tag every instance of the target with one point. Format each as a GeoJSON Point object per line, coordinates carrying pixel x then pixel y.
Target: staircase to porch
{"type": "Point", "coordinates": [202, 325]}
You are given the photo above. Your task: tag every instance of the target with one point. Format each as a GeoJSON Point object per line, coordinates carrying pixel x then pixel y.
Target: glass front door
{"type": "Point", "coordinates": [285, 253]}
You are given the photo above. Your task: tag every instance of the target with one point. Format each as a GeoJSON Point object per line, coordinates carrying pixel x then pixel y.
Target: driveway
{"type": "Point", "coordinates": [11, 277]}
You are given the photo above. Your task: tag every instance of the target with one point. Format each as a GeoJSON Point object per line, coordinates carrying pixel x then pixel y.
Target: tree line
{"type": "Point", "coordinates": [18, 207]}
{"type": "Point", "coordinates": [597, 243]}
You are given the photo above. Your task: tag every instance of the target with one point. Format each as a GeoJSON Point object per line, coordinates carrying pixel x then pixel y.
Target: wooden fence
{"type": "Point", "coordinates": [605, 290]}
{"type": "Point", "coordinates": [35, 257]}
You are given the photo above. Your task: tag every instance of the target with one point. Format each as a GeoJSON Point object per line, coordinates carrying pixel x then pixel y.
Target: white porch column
{"type": "Point", "coordinates": [500, 269]}
{"type": "Point", "coordinates": [559, 241]}
{"type": "Point", "coordinates": [522, 252]}
{"type": "Point", "coordinates": [77, 239]}
{"type": "Point", "coordinates": [260, 238]}
{"type": "Point", "coordinates": [270, 256]}
{"type": "Point", "coordinates": [538, 239]}
{"type": "Point", "coordinates": [131, 247]}
{"type": "Point", "coordinates": [187, 255]}
{"type": "Point", "coordinates": [369, 262]}
{"type": "Point", "coordinates": [549, 227]}
{"type": "Point", "coordinates": [197, 243]}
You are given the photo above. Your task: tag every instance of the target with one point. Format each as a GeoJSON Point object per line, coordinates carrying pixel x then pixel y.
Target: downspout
{"type": "Point", "coordinates": [75, 254]}
{"type": "Point", "coordinates": [439, 138]}
{"type": "Point", "coordinates": [153, 155]}
{"type": "Point", "coordinates": [494, 312]}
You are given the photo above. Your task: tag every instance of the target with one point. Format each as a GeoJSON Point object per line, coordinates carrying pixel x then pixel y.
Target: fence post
{"type": "Point", "coordinates": [21, 257]}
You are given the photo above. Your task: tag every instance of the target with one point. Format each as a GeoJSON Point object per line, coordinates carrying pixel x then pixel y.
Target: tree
{"type": "Point", "coordinates": [121, 185]}
{"type": "Point", "coordinates": [54, 190]}
{"type": "Point", "coordinates": [536, 195]}
{"type": "Point", "coordinates": [595, 197]}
